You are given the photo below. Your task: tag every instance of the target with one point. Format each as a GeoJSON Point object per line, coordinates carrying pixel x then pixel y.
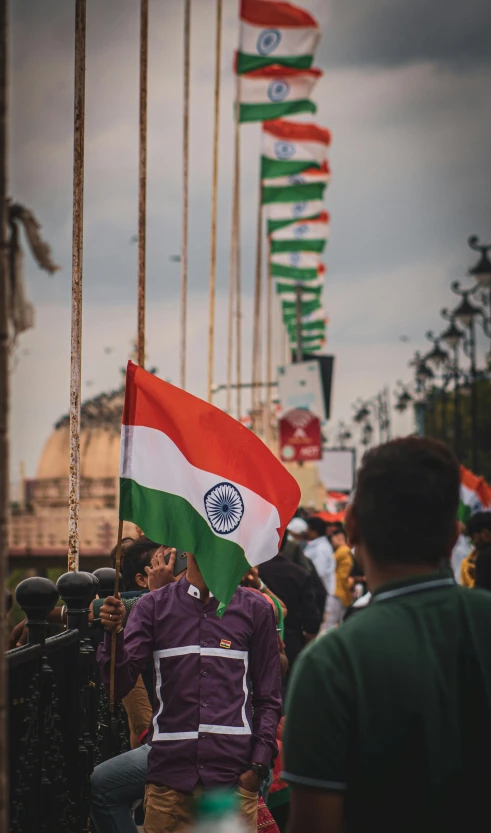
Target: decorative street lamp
{"type": "Point", "coordinates": [482, 270]}
{"type": "Point", "coordinates": [440, 360]}
{"type": "Point", "coordinates": [453, 337]}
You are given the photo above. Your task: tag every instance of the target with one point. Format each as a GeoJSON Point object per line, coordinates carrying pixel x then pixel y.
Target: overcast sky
{"type": "Point", "coordinates": [406, 94]}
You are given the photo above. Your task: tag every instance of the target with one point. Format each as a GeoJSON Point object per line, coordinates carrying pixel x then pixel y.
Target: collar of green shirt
{"type": "Point", "coordinates": [413, 584]}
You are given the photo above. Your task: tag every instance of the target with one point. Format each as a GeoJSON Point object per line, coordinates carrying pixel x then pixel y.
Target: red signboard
{"type": "Point", "coordinates": [300, 436]}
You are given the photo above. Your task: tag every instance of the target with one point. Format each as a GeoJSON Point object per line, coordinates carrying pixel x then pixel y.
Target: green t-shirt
{"type": "Point", "coordinates": [394, 707]}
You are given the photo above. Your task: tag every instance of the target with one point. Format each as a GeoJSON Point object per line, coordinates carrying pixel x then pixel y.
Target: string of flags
{"type": "Point", "coordinates": [277, 43]}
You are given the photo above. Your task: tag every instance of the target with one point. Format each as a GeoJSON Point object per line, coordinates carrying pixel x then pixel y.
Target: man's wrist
{"type": "Point", "coordinates": [261, 770]}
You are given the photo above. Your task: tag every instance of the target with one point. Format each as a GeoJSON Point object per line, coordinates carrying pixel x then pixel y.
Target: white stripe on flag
{"type": "Point", "coordinates": [268, 42]}
{"type": "Point", "coordinates": [285, 150]}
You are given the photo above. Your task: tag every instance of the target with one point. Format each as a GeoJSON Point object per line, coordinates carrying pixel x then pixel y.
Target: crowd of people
{"type": "Point", "coordinates": [347, 686]}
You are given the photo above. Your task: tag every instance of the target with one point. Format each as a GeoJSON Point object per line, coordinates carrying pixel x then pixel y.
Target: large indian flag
{"type": "Point", "coordinates": [275, 33]}
{"type": "Point", "coordinates": [304, 231]}
{"type": "Point", "coordinates": [276, 91]}
{"type": "Point", "coordinates": [475, 495]}
{"type": "Point", "coordinates": [289, 147]}
{"type": "Point", "coordinates": [194, 478]}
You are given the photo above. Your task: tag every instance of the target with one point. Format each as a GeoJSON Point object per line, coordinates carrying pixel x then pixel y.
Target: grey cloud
{"type": "Point", "coordinates": [395, 32]}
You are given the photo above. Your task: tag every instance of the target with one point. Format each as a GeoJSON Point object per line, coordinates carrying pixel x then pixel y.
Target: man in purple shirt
{"type": "Point", "coordinates": [217, 687]}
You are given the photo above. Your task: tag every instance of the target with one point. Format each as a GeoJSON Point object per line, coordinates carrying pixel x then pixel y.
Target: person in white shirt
{"type": "Point", "coordinates": [321, 554]}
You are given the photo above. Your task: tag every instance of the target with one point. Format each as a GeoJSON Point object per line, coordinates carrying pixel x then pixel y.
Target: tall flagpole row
{"type": "Point", "coordinates": [213, 253]}
{"type": "Point", "coordinates": [185, 190]}
{"type": "Point", "coordinates": [238, 272]}
{"type": "Point", "coordinates": [77, 268]}
{"type": "Point", "coordinates": [269, 343]}
{"type": "Point", "coordinates": [142, 181]}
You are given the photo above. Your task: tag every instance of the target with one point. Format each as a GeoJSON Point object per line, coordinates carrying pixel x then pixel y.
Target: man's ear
{"type": "Point", "coordinates": [141, 580]}
{"type": "Point", "coordinates": [351, 526]}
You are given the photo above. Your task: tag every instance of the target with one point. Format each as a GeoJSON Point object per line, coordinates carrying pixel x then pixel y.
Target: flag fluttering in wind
{"type": "Point", "coordinates": [275, 33]}
{"type": "Point", "coordinates": [194, 478]}
{"type": "Point", "coordinates": [276, 91]}
{"type": "Point", "coordinates": [296, 192]}
{"type": "Point", "coordinates": [298, 262]}
{"type": "Point", "coordinates": [475, 495]}
{"type": "Point", "coordinates": [288, 211]}
{"type": "Point", "coordinates": [302, 235]}
{"type": "Point", "coordinates": [290, 147]}
{"type": "Point", "coordinates": [309, 176]}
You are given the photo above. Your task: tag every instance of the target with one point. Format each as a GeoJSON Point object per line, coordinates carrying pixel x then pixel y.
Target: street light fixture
{"type": "Point", "coordinates": [452, 335]}
{"type": "Point", "coordinates": [465, 312]}
{"type": "Point", "coordinates": [482, 270]}
{"type": "Point", "coordinates": [436, 357]}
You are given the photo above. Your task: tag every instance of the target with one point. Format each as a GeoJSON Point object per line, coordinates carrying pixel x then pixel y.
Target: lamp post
{"type": "Point", "coordinates": [438, 358]}
{"type": "Point", "coordinates": [482, 273]}
{"type": "Point", "coordinates": [422, 374]}
{"type": "Point", "coordinates": [466, 314]}
{"type": "Point", "coordinates": [452, 336]}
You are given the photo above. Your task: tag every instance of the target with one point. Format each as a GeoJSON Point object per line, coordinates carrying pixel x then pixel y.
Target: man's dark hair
{"type": "Point", "coordinates": [406, 501]}
{"type": "Point", "coordinates": [478, 522]}
{"type": "Point", "coordinates": [137, 557]}
{"type": "Point", "coordinates": [317, 525]}
{"type": "Point", "coordinates": [125, 543]}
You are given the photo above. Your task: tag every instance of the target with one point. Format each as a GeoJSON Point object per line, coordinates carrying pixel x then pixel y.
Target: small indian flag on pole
{"type": "Point", "coordinates": [475, 495]}
{"type": "Point", "coordinates": [289, 147]}
{"type": "Point", "coordinates": [300, 235]}
{"type": "Point", "coordinates": [309, 176]}
{"type": "Point", "coordinates": [276, 91]}
{"type": "Point", "coordinates": [275, 33]}
{"type": "Point", "coordinates": [195, 479]}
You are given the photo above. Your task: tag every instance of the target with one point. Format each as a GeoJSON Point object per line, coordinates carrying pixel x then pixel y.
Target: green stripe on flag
{"type": "Point", "coordinates": [248, 63]}
{"type": "Point", "coordinates": [279, 271]}
{"type": "Point", "coordinates": [278, 246]}
{"type": "Point", "coordinates": [464, 512]}
{"type": "Point", "coordinates": [170, 519]}
{"type": "Point", "coordinates": [285, 288]}
{"type": "Point", "coordinates": [293, 193]}
{"type": "Point", "coordinates": [267, 111]}
{"type": "Point", "coordinates": [274, 167]}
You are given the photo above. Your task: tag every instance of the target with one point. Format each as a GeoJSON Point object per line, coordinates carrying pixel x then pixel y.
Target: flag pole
{"type": "Point", "coordinates": [269, 343]}
{"type": "Point", "coordinates": [233, 250]}
{"type": "Point", "coordinates": [4, 416]}
{"type": "Point", "coordinates": [256, 333]}
{"type": "Point", "coordinates": [185, 189]}
{"type": "Point", "coordinates": [142, 226]}
{"type": "Point", "coordinates": [142, 181]}
{"type": "Point", "coordinates": [77, 268]}
{"type": "Point", "coordinates": [213, 255]}
{"type": "Point", "coordinates": [238, 280]}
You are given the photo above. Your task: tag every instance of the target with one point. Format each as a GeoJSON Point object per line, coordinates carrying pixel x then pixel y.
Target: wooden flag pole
{"type": "Point", "coordinates": [238, 259]}
{"type": "Point", "coordinates": [269, 343]}
{"type": "Point", "coordinates": [142, 225]}
{"type": "Point", "coordinates": [256, 332]}
{"type": "Point", "coordinates": [77, 268]}
{"type": "Point", "coordinates": [185, 190]}
{"type": "Point", "coordinates": [233, 251]}
{"type": "Point", "coordinates": [213, 254]}
{"type": "Point", "coordinates": [4, 416]}
{"type": "Point", "coordinates": [142, 181]}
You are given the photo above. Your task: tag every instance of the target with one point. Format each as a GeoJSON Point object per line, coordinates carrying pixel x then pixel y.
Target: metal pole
{"type": "Point", "coordinates": [238, 265]}
{"type": "Point", "coordinates": [77, 265]}
{"type": "Point", "coordinates": [185, 189]}
{"type": "Point", "coordinates": [4, 417]}
{"type": "Point", "coordinates": [457, 420]}
{"type": "Point", "coordinates": [213, 254]}
{"type": "Point", "coordinates": [233, 251]}
{"type": "Point", "coordinates": [388, 415]}
{"type": "Point", "coordinates": [142, 181]}
{"type": "Point", "coordinates": [474, 401]}
{"type": "Point", "coordinates": [256, 333]}
{"type": "Point", "coordinates": [298, 300]}
{"type": "Point", "coordinates": [269, 343]}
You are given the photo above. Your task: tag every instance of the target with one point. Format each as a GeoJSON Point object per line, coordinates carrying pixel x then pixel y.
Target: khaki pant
{"type": "Point", "coordinates": [169, 811]}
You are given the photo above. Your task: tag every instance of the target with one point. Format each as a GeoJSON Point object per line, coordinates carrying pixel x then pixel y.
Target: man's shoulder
{"type": "Point", "coordinates": [245, 599]}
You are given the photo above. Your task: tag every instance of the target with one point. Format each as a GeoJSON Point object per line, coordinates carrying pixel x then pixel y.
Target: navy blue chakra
{"type": "Point", "coordinates": [268, 41]}
{"type": "Point", "coordinates": [224, 508]}
{"type": "Point", "coordinates": [278, 90]}
{"type": "Point", "coordinates": [299, 209]}
{"type": "Point", "coordinates": [284, 150]}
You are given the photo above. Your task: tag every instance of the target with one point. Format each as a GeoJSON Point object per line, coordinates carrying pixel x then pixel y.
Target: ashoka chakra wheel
{"type": "Point", "coordinates": [224, 507]}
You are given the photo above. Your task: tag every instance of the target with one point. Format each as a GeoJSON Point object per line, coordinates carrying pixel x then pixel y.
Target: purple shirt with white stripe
{"type": "Point", "coordinates": [217, 683]}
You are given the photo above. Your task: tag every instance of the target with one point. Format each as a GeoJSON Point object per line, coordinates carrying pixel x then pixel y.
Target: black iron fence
{"type": "Point", "coordinates": [60, 725]}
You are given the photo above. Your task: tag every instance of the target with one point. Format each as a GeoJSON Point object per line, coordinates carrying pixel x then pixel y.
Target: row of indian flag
{"type": "Point", "coordinates": [277, 45]}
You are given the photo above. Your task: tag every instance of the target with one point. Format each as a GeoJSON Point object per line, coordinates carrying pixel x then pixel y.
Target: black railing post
{"type": "Point", "coordinates": [77, 590]}
{"type": "Point", "coordinates": [106, 577]}
{"type": "Point", "coordinates": [37, 596]}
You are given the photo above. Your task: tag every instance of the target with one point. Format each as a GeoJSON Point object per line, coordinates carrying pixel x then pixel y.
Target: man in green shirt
{"type": "Point", "coordinates": [388, 721]}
